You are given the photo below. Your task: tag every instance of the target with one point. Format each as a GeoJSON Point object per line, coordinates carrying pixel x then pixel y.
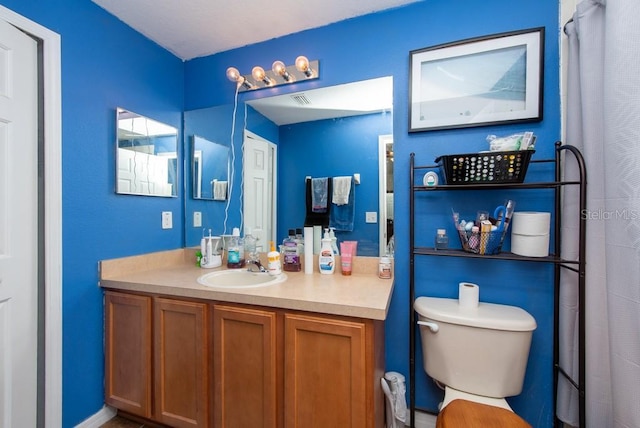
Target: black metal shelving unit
{"type": "Point", "coordinates": [577, 266]}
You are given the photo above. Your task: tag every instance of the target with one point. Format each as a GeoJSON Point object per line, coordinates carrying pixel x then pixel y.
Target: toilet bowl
{"type": "Point", "coordinates": [478, 354]}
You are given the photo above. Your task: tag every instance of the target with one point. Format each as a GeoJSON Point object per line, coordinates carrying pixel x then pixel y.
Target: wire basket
{"type": "Point", "coordinates": [482, 243]}
{"type": "Point", "coordinates": [488, 167]}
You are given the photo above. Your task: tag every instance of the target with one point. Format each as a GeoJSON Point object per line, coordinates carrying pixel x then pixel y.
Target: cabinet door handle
{"type": "Point", "coordinates": [432, 326]}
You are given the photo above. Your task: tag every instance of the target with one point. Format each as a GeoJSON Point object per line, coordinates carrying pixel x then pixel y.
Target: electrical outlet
{"type": "Point", "coordinates": [371, 217]}
{"type": "Point", "coordinates": [197, 219]}
{"type": "Point", "coordinates": [167, 220]}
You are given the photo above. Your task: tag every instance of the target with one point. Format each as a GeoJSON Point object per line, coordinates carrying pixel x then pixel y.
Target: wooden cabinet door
{"type": "Point", "coordinates": [128, 352]}
{"type": "Point", "coordinates": [325, 373]}
{"type": "Point", "coordinates": [181, 375]}
{"type": "Point", "coordinates": [245, 367]}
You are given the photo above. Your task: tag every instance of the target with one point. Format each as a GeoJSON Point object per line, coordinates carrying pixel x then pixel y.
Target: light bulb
{"type": "Point", "coordinates": [302, 64]}
{"type": "Point", "coordinates": [233, 74]}
{"type": "Point", "coordinates": [279, 69]}
{"type": "Point", "coordinates": [260, 76]}
{"type": "Point", "coordinates": [258, 73]}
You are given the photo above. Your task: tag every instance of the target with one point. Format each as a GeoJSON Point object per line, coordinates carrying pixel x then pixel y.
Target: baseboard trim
{"type": "Point", "coordinates": [423, 420]}
{"type": "Point", "coordinates": [95, 421]}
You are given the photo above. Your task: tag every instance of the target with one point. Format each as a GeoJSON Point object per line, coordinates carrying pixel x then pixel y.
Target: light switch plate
{"type": "Point", "coordinates": [371, 217]}
{"type": "Point", "coordinates": [197, 219]}
{"type": "Point", "coordinates": [167, 220]}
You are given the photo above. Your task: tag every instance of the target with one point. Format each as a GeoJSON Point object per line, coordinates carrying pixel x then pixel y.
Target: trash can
{"type": "Point", "coordinates": [393, 385]}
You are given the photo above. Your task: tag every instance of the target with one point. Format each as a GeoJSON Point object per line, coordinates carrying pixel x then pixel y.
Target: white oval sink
{"type": "Point", "coordinates": [240, 278]}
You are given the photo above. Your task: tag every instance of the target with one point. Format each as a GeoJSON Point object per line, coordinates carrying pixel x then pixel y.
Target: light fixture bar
{"type": "Point", "coordinates": [263, 78]}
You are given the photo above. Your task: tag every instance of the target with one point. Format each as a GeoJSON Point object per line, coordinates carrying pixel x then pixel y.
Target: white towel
{"type": "Point", "coordinates": [341, 189]}
{"type": "Point", "coordinates": [219, 190]}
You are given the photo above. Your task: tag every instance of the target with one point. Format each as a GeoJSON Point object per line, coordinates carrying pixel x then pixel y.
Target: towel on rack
{"type": "Point", "coordinates": [341, 190]}
{"type": "Point", "coordinates": [313, 218]}
{"type": "Point", "coordinates": [342, 216]}
{"type": "Point", "coordinates": [320, 194]}
{"type": "Point", "coordinates": [219, 190]}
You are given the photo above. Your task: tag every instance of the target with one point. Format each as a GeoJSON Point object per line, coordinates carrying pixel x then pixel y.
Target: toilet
{"type": "Point", "coordinates": [479, 355]}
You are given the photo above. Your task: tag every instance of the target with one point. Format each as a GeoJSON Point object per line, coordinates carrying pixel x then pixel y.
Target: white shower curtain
{"type": "Point", "coordinates": [603, 120]}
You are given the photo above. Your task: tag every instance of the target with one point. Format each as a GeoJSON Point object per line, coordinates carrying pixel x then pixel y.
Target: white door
{"type": "Point", "coordinates": [259, 188]}
{"type": "Point", "coordinates": [18, 228]}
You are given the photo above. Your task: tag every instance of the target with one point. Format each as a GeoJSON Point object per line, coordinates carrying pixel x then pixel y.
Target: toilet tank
{"type": "Point", "coordinates": [481, 350]}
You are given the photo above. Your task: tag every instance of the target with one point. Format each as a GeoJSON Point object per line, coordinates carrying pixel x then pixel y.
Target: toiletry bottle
{"type": "Point", "coordinates": [273, 258]}
{"type": "Point", "coordinates": [384, 267]}
{"type": "Point", "coordinates": [442, 240]}
{"type": "Point", "coordinates": [202, 261]}
{"type": "Point", "coordinates": [326, 260]}
{"type": "Point", "coordinates": [290, 254]}
{"type": "Point", "coordinates": [300, 241]}
{"type": "Point", "coordinates": [250, 248]}
{"type": "Point", "coordinates": [234, 260]}
{"type": "Point", "coordinates": [334, 241]}
{"type": "Point", "coordinates": [474, 239]}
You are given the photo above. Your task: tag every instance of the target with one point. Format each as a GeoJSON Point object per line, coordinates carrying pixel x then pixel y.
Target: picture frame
{"type": "Point", "coordinates": [482, 81]}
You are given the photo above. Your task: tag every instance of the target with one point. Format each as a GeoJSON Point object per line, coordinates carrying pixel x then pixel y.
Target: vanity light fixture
{"type": "Point", "coordinates": [280, 74]}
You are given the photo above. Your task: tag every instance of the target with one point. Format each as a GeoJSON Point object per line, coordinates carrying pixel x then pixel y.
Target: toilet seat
{"type": "Point", "coordinates": [451, 394]}
{"type": "Point", "coordinates": [463, 413]}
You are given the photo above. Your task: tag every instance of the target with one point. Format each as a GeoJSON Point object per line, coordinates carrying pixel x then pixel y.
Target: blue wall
{"type": "Point", "coordinates": [105, 64]}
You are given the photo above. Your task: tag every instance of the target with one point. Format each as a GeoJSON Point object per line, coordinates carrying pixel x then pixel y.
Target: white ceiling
{"type": "Point", "coordinates": [195, 28]}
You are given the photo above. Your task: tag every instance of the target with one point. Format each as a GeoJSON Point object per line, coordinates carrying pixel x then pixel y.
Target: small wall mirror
{"type": "Point", "coordinates": [146, 158]}
{"type": "Point", "coordinates": [210, 169]}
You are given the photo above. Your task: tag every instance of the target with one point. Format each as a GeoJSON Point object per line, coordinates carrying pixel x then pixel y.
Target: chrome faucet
{"type": "Point", "coordinates": [257, 263]}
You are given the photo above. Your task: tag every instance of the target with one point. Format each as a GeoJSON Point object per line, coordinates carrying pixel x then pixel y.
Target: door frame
{"type": "Point", "coordinates": [383, 140]}
{"type": "Point", "coordinates": [52, 197]}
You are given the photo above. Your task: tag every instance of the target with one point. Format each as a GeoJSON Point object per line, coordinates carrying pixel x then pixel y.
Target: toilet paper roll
{"type": "Point", "coordinates": [468, 295]}
{"type": "Point", "coordinates": [317, 239]}
{"type": "Point", "coordinates": [530, 245]}
{"type": "Point", "coordinates": [530, 223]}
{"type": "Point", "coordinates": [308, 250]}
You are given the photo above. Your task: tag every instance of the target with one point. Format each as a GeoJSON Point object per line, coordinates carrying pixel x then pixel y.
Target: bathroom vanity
{"type": "Point", "coordinates": [307, 352]}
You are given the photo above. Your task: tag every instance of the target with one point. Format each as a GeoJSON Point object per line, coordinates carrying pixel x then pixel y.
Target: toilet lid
{"type": "Point", "coordinates": [486, 315]}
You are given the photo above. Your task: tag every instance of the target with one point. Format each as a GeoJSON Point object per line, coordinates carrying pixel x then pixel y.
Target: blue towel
{"type": "Point", "coordinates": [342, 216]}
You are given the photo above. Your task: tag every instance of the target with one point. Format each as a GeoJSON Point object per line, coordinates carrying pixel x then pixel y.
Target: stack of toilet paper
{"type": "Point", "coordinates": [530, 233]}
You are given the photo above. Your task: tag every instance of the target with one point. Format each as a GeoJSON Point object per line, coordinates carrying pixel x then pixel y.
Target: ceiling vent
{"type": "Point", "coordinates": [301, 99]}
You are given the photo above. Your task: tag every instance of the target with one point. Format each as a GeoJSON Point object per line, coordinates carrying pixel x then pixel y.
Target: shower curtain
{"type": "Point", "coordinates": [603, 120]}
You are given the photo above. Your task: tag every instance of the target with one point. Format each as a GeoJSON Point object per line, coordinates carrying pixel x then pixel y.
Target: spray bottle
{"type": "Point", "coordinates": [326, 260]}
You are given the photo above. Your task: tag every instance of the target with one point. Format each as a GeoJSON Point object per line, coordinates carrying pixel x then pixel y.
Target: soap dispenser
{"type": "Point", "coordinates": [334, 241]}
{"type": "Point", "coordinates": [326, 260]}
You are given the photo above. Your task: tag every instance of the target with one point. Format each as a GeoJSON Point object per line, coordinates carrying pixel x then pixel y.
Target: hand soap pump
{"type": "Point", "coordinates": [326, 260]}
{"type": "Point", "coordinates": [209, 249]}
{"type": "Point", "coordinates": [334, 241]}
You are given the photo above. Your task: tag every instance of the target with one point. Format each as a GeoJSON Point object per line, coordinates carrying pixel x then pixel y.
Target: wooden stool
{"type": "Point", "coordinates": [467, 414]}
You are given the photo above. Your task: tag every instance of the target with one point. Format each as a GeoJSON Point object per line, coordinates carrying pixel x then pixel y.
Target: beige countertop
{"type": "Point", "coordinates": [174, 273]}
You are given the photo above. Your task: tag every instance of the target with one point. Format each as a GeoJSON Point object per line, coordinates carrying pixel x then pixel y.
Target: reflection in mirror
{"type": "Point", "coordinates": [146, 158]}
{"type": "Point", "coordinates": [332, 131]}
{"type": "Point", "coordinates": [210, 169]}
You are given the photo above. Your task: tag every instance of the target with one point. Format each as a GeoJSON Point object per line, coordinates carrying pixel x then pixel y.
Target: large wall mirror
{"type": "Point", "coordinates": [146, 158]}
{"type": "Point", "coordinates": [333, 131]}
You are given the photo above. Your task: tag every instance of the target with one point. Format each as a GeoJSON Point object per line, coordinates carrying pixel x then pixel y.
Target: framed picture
{"type": "Point", "coordinates": [477, 82]}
